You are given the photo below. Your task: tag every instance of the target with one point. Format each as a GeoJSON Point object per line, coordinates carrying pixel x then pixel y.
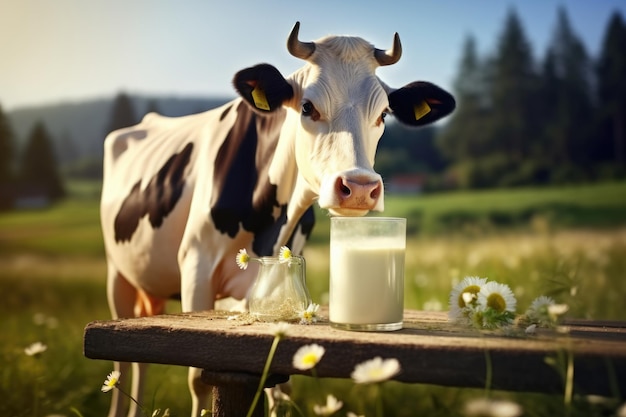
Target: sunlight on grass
{"type": "Point", "coordinates": [583, 268]}
{"type": "Point", "coordinates": [568, 243]}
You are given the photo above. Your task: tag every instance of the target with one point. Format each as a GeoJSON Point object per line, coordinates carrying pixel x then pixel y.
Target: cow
{"type": "Point", "coordinates": [182, 195]}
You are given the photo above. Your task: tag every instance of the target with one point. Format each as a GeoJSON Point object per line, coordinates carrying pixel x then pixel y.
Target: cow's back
{"type": "Point", "coordinates": [149, 179]}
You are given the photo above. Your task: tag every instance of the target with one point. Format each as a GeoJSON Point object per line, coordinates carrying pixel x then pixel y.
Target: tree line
{"type": "Point", "coordinates": [519, 120]}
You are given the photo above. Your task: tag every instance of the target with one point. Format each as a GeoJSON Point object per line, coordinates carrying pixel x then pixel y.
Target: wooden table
{"type": "Point", "coordinates": [232, 351]}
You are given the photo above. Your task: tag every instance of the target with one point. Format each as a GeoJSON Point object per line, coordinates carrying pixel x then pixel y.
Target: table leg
{"type": "Point", "coordinates": [233, 393]}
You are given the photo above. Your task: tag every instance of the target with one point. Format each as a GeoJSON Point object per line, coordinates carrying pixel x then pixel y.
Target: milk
{"type": "Point", "coordinates": [366, 283]}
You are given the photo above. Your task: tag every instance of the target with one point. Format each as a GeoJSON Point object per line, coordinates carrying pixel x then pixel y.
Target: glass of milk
{"type": "Point", "coordinates": [367, 273]}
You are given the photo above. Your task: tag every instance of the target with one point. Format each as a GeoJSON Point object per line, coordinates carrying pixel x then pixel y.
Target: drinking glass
{"type": "Point", "coordinates": [367, 273]}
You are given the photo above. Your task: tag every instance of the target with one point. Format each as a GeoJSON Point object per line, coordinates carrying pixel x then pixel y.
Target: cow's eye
{"type": "Point", "coordinates": [307, 108]}
{"type": "Point", "coordinates": [381, 119]}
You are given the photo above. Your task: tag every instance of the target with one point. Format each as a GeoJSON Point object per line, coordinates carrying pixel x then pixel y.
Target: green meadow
{"type": "Point", "coordinates": [569, 243]}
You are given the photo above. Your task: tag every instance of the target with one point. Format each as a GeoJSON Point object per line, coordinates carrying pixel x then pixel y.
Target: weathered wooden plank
{"type": "Point", "coordinates": [430, 350]}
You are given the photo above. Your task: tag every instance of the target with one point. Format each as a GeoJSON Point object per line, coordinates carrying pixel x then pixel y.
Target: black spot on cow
{"type": "Point", "coordinates": [225, 112]}
{"type": "Point", "coordinates": [157, 200]}
{"type": "Point", "coordinates": [243, 196]}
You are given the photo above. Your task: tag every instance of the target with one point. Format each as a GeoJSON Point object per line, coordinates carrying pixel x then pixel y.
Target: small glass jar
{"type": "Point", "coordinates": [279, 292]}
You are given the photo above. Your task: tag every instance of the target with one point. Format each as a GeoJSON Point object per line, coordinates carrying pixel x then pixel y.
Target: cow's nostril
{"type": "Point", "coordinates": [375, 192]}
{"type": "Point", "coordinates": [342, 188]}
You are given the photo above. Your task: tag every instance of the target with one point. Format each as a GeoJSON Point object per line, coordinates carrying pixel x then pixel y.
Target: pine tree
{"type": "Point", "coordinates": [569, 94]}
{"type": "Point", "coordinates": [122, 113]}
{"type": "Point", "coordinates": [611, 71]}
{"type": "Point", "coordinates": [464, 140]}
{"type": "Point", "coordinates": [38, 170]}
{"type": "Point", "coordinates": [463, 137]}
{"type": "Point", "coordinates": [514, 93]}
{"type": "Point", "coordinates": [491, 136]}
{"type": "Point", "coordinates": [7, 154]}
{"type": "Point", "coordinates": [6, 149]}
{"type": "Point", "coordinates": [153, 106]}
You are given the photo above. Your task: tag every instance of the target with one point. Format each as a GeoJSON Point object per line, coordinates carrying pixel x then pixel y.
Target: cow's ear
{"type": "Point", "coordinates": [420, 103]}
{"type": "Point", "coordinates": [263, 87]}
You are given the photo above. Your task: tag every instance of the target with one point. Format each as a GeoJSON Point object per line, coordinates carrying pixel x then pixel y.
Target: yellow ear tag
{"type": "Point", "coordinates": [260, 101]}
{"type": "Point", "coordinates": [421, 110]}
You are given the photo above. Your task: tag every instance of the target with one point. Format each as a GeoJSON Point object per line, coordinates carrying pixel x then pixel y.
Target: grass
{"type": "Point", "coordinates": [569, 243]}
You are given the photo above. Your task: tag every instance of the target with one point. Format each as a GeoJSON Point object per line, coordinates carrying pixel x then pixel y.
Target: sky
{"type": "Point", "coordinates": [69, 50]}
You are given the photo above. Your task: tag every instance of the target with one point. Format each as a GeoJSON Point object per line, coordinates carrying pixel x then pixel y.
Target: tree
{"type": "Point", "coordinates": [611, 72]}
{"type": "Point", "coordinates": [464, 137]}
{"type": "Point", "coordinates": [7, 153]}
{"type": "Point", "coordinates": [567, 85]}
{"type": "Point", "coordinates": [491, 136]}
{"type": "Point", "coordinates": [122, 113]}
{"type": "Point", "coordinates": [38, 170]}
{"type": "Point", "coordinates": [153, 106]}
{"type": "Point", "coordinates": [513, 93]}
{"type": "Point", "coordinates": [66, 150]}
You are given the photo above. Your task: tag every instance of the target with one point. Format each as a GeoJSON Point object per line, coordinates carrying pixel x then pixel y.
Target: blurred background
{"type": "Point", "coordinates": [525, 184]}
{"type": "Point", "coordinates": [540, 84]}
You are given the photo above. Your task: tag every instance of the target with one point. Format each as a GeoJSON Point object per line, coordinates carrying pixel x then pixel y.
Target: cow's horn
{"type": "Point", "coordinates": [390, 56]}
{"type": "Point", "coordinates": [301, 50]}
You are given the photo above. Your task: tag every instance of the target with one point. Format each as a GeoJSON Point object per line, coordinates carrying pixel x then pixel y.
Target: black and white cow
{"type": "Point", "coordinates": [182, 195]}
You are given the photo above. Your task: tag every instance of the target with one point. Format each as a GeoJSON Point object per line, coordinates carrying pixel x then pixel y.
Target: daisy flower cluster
{"type": "Point", "coordinates": [307, 357]}
{"type": "Point", "coordinates": [482, 303]}
{"type": "Point", "coordinates": [35, 349]}
{"type": "Point", "coordinates": [543, 312]}
{"type": "Point", "coordinates": [491, 305]}
{"type": "Point", "coordinates": [243, 258]}
{"type": "Point", "coordinates": [306, 315]}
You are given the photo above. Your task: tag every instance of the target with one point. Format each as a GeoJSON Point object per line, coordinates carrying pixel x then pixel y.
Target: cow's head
{"type": "Point", "coordinates": [341, 105]}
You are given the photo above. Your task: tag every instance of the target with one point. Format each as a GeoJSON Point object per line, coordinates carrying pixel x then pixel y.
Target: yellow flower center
{"type": "Point", "coordinates": [112, 382]}
{"type": "Point", "coordinates": [472, 289]}
{"type": "Point", "coordinates": [309, 359]}
{"type": "Point", "coordinates": [375, 373]}
{"type": "Point", "coordinates": [496, 301]}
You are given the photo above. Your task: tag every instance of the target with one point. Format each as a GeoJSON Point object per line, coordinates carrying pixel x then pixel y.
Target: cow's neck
{"type": "Point", "coordinates": [257, 179]}
{"type": "Point", "coordinates": [293, 189]}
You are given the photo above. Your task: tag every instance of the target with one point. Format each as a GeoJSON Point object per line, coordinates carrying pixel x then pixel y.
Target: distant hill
{"type": "Point", "coordinates": [78, 128]}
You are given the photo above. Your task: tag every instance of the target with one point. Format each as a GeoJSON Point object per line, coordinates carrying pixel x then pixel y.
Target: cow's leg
{"type": "Point", "coordinates": [196, 295]}
{"type": "Point", "coordinates": [126, 301]}
{"type": "Point", "coordinates": [121, 297]}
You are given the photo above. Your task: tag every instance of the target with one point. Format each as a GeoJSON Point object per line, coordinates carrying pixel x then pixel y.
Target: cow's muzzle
{"type": "Point", "coordinates": [353, 194]}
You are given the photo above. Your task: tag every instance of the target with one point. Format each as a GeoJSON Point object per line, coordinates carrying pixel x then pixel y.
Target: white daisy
{"type": "Point", "coordinates": [242, 258]}
{"type": "Point", "coordinates": [111, 382]}
{"type": "Point", "coordinates": [538, 311]}
{"type": "Point", "coordinates": [285, 254]}
{"type": "Point", "coordinates": [556, 310]}
{"type": "Point", "coordinates": [279, 329]}
{"type": "Point", "coordinates": [375, 370]}
{"type": "Point", "coordinates": [35, 349]}
{"type": "Point", "coordinates": [464, 296]}
{"type": "Point", "coordinates": [485, 407]}
{"type": "Point", "coordinates": [332, 406]}
{"type": "Point", "coordinates": [309, 315]}
{"type": "Point", "coordinates": [496, 306]}
{"type": "Point", "coordinates": [540, 303]}
{"type": "Point", "coordinates": [308, 356]}
{"type": "Point", "coordinates": [498, 297]}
